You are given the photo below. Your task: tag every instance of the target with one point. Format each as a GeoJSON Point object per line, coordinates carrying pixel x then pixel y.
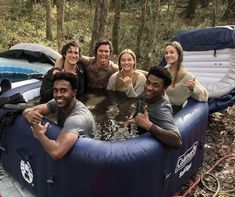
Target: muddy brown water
{"type": "Point", "coordinates": [110, 110]}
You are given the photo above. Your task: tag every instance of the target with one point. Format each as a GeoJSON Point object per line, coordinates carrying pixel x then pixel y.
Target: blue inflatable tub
{"type": "Point", "coordinates": [137, 167]}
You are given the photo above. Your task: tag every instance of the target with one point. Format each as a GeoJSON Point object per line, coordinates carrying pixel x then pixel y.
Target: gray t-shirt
{"type": "Point", "coordinates": [80, 120]}
{"type": "Point", "coordinates": [160, 113]}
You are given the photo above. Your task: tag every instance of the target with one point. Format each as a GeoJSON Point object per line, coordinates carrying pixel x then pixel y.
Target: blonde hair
{"type": "Point", "coordinates": [127, 51]}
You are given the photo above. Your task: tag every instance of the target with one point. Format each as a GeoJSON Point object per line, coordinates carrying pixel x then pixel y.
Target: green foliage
{"type": "Point", "coordinates": [17, 24]}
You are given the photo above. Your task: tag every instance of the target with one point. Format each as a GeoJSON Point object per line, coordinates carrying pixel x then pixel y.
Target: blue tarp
{"type": "Point", "coordinates": [211, 38]}
{"type": "Point", "coordinates": [218, 104]}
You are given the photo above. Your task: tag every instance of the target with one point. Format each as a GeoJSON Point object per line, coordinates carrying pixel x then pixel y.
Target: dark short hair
{"type": "Point", "coordinates": [70, 77]}
{"type": "Point", "coordinates": [65, 47]}
{"type": "Point", "coordinates": [102, 42]}
{"type": "Point", "coordinates": [161, 73]}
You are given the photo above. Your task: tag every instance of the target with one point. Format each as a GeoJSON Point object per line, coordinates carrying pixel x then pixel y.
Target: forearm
{"type": "Point", "coordinates": [27, 111]}
{"type": "Point", "coordinates": [138, 89]}
{"type": "Point", "coordinates": [167, 137]}
{"type": "Point", "coordinates": [84, 60]}
{"type": "Point", "coordinates": [130, 92]}
{"type": "Point", "coordinates": [59, 63]}
{"type": "Point", "coordinates": [50, 146]}
{"type": "Point", "coordinates": [35, 113]}
{"type": "Point", "coordinates": [30, 114]}
{"type": "Point", "coordinates": [199, 93]}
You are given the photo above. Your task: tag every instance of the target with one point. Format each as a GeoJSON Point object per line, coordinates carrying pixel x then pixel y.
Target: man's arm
{"type": "Point", "coordinates": [35, 114]}
{"type": "Point", "coordinates": [55, 148]}
{"type": "Point", "coordinates": [85, 60]}
{"type": "Point", "coordinates": [167, 137]}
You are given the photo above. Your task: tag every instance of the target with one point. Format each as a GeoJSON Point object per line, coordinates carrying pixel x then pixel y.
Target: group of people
{"type": "Point", "coordinates": [158, 91]}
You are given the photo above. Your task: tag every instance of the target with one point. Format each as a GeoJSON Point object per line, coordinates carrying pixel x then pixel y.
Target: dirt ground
{"type": "Point", "coordinates": [219, 143]}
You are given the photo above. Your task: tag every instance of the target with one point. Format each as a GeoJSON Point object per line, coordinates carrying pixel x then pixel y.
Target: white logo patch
{"type": "Point", "coordinates": [26, 171]}
{"type": "Point", "coordinates": [186, 157]}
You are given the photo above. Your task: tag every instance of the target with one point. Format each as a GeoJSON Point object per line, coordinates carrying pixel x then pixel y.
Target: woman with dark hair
{"type": "Point", "coordinates": [184, 83]}
{"type": "Point", "coordinates": [71, 54]}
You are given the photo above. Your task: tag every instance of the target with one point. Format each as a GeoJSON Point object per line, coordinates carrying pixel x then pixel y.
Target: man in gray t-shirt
{"type": "Point", "coordinates": [74, 117]}
{"type": "Point", "coordinates": [154, 111]}
{"type": "Point", "coordinates": [79, 121]}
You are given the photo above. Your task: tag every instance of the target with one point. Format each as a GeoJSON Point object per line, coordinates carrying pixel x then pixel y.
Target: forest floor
{"type": "Point", "coordinates": [219, 144]}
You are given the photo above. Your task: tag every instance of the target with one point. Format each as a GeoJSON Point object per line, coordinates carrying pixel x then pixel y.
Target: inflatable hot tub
{"type": "Point", "coordinates": [136, 167]}
{"type": "Point", "coordinates": [140, 166]}
{"type": "Point", "coordinates": [209, 53]}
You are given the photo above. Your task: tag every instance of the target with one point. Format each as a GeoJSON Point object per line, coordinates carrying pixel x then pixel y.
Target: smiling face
{"type": "Point", "coordinates": [103, 54]}
{"type": "Point", "coordinates": [154, 88]}
{"type": "Point", "coordinates": [127, 62]}
{"type": "Point", "coordinates": [72, 55]}
{"type": "Point", "coordinates": [63, 93]}
{"type": "Point", "coordinates": [171, 55]}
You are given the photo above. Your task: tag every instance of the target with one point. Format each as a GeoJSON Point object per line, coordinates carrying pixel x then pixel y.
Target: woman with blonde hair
{"type": "Point", "coordinates": [184, 83]}
{"type": "Point", "coordinates": [127, 79]}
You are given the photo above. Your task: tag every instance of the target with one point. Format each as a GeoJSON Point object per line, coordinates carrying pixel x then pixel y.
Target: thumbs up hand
{"type": "Point", "coordinates": [142, 120]}
{"type": "Point", "coordinates": [190, 84]}
{"type": "Point", "coordinates": [39, 129]}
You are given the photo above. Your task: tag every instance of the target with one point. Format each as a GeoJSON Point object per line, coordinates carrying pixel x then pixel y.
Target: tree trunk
{"type": "Point", "coordinates": [100, 22]}
{"type": "Point", "coordinates": [48, 19]}
{"type": "Point", "coordinates": [214, 19]}
{"type": "Point", "coordinates": [116, 26]}
{"type": "Point", "coordinates": [29, 5]}
{"type": "Point", "coordinates": [230, 11]}
{"type": "Point", "coordinates": [191, 9]}
{"type": "Point", "coordinates": [141, 28]}
{"type": "Point", "coordinates": [152, 34]}
{"type": "Point", "coordinates": [204, 3]}
{"type": "Point", "coordinates": [60, 22]}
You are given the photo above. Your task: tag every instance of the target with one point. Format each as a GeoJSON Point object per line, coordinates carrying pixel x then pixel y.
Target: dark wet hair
{"type": "Point", "coordinates": [65, 47]}
{"type": "Point", "coordinates": [70, 77]}
{"type": "Point", "coordinates": [102, 42]}
{"type": "Point", "coordinates": [161, 73]}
